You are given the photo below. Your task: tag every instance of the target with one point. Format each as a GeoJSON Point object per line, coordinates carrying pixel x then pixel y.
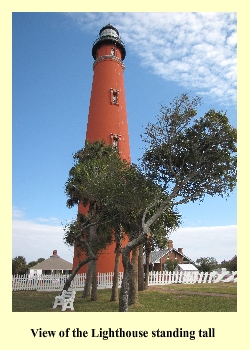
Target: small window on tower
{"type": "Point", "coordinates": [112, 51]}
{"type": "Point", "coordinates": [114, 96]}
{"type": "Point", "coordinates": [115, 138]}
{"type": "Point", "coordinates": [115, 143]}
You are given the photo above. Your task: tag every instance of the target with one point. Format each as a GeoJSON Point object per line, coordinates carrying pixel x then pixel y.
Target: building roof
{"type": "Point", "coordinates": [187, 267]}
{"type": "Point", "coordinates": [54, 262]}
{"type": "Point", "coordinates": [158, 254]}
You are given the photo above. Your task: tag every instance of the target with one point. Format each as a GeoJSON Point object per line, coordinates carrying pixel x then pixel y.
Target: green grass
{"type": "Point", "coordinates": [220, 288]}
{"type": "Point", "coordinates": [171, 298]}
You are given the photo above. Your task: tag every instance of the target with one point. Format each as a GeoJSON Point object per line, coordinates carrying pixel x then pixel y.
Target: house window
{"type": "Point", "coordinates": [114, 96]}
{"type": "Point", "coordinates": [115, 138]}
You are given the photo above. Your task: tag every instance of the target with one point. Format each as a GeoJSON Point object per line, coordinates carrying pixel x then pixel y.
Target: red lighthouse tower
{"type": "Point", "coordinates": [107, 119]}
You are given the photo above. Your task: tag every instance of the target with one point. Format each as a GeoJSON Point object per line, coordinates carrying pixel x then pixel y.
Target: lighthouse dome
{"type": "Point", "coordinates": [109, 30]}
{"type": "Point", "coordinates": [109, 35]}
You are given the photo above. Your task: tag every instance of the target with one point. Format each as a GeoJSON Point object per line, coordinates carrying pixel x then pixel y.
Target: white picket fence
{"type": "Point", "coordinates": [105, 280]}
{"type": "Point", "coordinates": [57, 281]}
{"type": "Point", "coordinates": [167, 277]}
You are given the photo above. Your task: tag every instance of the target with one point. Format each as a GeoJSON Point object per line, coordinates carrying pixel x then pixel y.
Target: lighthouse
{"type": "Point", "coordinates": [107, 118]}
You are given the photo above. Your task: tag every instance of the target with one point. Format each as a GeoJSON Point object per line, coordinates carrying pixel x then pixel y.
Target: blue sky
{"type": "Point", "coordinates": [167, 54]}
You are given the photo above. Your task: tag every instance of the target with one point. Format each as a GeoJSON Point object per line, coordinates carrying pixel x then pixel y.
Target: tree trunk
{"type": "Point", "coordinates": [128, 268]}
{"type": "Point", "coordinates": [114, 294]}
{"type": "Point", "coordinates": [74, 272]}
{"type": "Point", "coordinates": [94, 282]}
{"type": "Point", "coordinates": [140, 269]}
{"type": "Point", "coordinates": [148, 247]}
{"type": "Point", "coordinates": [91, 271]}
{"type": "Point", "coordinates": [87, 285]}
{"type": "Point", "coordinates": [133, 286]}
{"type": "Point", "coordinates": [147, 270]}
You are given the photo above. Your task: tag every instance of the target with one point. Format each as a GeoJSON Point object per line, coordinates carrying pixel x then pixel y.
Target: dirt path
{"type": "Point", "coordinates": [177, 291]}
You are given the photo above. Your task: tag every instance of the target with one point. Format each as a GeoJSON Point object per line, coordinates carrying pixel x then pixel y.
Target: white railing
{"type": "Point", "coordinates": [105, 280]}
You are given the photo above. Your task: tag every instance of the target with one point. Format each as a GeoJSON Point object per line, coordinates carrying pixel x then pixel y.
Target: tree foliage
{"type": "Point", "coordinates": [115, 192]}
{"type": "Point", "coordinates": [33, 263]}
{"type": "Point", "coordinates": [230, 265]}
{"type": "Point", "coordinates": [206, 264]}
{"type": "Point", "coordinates": [191, 157]}
{"type": "Point", "coordinates": [20, 266]}
{"type": "Point", "coordinates": [188, 158]}
{"type": "Point", "coordinates": [92, 181]}
{"type": "Point", "coordinates": [171, 265]}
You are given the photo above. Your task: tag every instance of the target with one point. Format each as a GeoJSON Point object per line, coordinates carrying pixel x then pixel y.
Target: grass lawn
{"type": "Point", "coordinates": [169, 298]}
{"type": "Point", "coordinates": [219, 288]}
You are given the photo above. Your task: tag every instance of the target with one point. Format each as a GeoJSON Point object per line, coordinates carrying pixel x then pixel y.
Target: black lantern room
{"type": "Point", "coordinates": [109, 35]}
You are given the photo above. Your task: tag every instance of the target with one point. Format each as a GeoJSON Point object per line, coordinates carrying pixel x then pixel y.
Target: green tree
{"type": "Point", "coordinates": [188, 158]}
{"type": "Point", "coordinates": [93, 180]}
{"type": "Point", "coordinates": [171, 265]}
{"type": "Point", "coordinates": [206, 264]}
{"type": "Point", "coordinates": [160, 232]}
{"type": "Point", "coordinates": [33, 263]}
{"type": "Point", "coordinates": [230, 265]}
{"type": "Point", "coordinates": [19, 265]}
{"type": "Point", "coordinates": [78, 233]}
{"type": "Point", "coordinates": [135, 194]}
{"type": "Point", "coordinates": [116, 195]}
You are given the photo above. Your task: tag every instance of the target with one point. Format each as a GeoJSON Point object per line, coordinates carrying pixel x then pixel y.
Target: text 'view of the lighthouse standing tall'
{"type": "Point", "coordinates": [107, 119]}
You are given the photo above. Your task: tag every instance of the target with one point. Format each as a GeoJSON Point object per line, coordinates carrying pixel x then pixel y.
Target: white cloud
{"type": "Point", "coordinates": [203, 45]}
{"type": "Point", "coordinates": [232, 39]}
{"type": "Point", "coordinates": [17, 213]}
{"type": "Point", "coordinates": [49, 220]}
{"type": "Point", "coordinates": [35, 240]}
{"type": "Point", "coordinates": [219, 242]}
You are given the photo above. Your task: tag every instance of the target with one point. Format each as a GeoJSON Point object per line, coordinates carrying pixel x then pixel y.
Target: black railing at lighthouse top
{"type": "Point", "coordinates": [108, 39]}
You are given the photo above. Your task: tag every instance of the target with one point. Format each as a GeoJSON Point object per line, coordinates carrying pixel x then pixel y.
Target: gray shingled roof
{"type": "Point", "coordinates": [53, 263]}
{"type": "Point", "coordinates": [158, 254]}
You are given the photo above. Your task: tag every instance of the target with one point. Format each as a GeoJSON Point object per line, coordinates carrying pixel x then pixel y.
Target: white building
{"type": "Point", "coordinates": [53, 265]}
{"type": "Point", "coordinates": [186, 268]}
